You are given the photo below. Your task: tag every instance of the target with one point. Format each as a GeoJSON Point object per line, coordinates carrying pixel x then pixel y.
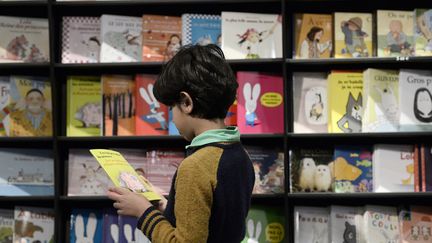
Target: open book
{"type": "Point", "coordinates": [122, 174]}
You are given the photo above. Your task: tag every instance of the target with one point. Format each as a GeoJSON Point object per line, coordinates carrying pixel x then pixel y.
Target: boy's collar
{"type": "Point", "coordinates": [229, 134]}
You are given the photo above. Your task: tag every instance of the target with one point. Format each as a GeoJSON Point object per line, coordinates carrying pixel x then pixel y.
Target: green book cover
{"type": "Point", "coordinates": [265, 224]}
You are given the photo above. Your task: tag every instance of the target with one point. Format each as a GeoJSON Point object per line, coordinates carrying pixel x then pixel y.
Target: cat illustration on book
{"type": "Point", "coordinates": [251, 98]}
{"type": "Point", "coordinates": [349, 234]}
{"type": "Point", "coordinates": [154, 116]}
{"type": "Point", "coordinates": [353, 115]}
{"type": "Point", "coordinates": [423, 105]}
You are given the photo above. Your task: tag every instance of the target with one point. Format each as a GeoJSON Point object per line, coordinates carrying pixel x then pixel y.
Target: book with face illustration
{"type": "Point", "coordinates": [128, 231]}
{"type": "Point", "coordinates": [86, 225]}
{"type": "Point", "coordinates": [346, 224]}
{"type": "Point", "coordinates": [265, 224]}
{"type": "Point", "coordinates": [33, 224]}
{"type": "Point", "coordinates": [6, 225]}
{"type": "Point", "coordinates": [201, 29]}
{"type": "Point", "coordinates": [311, 224]}
{"type": "Point", "coordinates": [381, 224]}
{"type": "Point", "coordinates": [423, 32]}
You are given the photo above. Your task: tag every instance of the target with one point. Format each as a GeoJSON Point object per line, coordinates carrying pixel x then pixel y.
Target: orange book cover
{"type": "Point", "coordinates": [417, 184]}
{"type": "Point", "coordinates": [231, 117]}
{"type": "Point", "coordinates": [415, 225]}
{"type": "Point", "coordinates": [422, 167]}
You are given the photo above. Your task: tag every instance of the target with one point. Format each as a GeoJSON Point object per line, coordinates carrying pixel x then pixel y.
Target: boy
{"type": "Point", "coordinates": [211, 190]}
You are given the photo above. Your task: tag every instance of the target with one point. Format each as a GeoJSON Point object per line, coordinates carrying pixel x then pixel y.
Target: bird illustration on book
{"type": "Point", "coordinates": [351, 121]}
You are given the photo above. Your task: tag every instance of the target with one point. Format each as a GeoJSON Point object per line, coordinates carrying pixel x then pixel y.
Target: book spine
{"type": "Point", "coordinates": [416, 169]}
{"type": "Point", "coordinates": [423, 168]}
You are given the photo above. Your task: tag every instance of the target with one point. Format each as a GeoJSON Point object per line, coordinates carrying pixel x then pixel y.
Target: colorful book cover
{"type": "Point", "coordinates": [151, 116]}
{"type": "Point", "coordinates": [86, 225]}
{"type": "Point", "coordinates": [311, 170]}
{"type": "Point", "coordinates": [381, 224]}
{"type": "Point", "coordinates": [265, 224]}
{"type": "Point", "coordinates": [313, 35]}
{"type": "Point", "coordinates": [172, 129]}
{"type": "Point", "coordinates": [201, 29]}
{"type": "Point", "coordinates": [6, 225]}
{"type": "Point", "coordinates": [84, 106]}
{"type": "Point", "coordinates": [311, 224]}
{"type": "Point", "coordinates": [129, 231]}
{"type": "Point", "coordinates": [33, 224]}
{"type": "Point", "coordinates": [85, 175]}
{"type": "Point", "coordinates": [111, 230]}
{"type": "Point", "coordinates": [310, 102]}
{"type": "Point", "coordinates": [395, 33]}
{"type": "Point", "coordinates": [119, 105]}
{"type": "Point", "coordinates": [423, 32]}
{"type": "Point", "coordinates": [426, 165]}
{"type": "Point", "coordinates": [416, 225]}
{"type": "Point", "coordinates": [268, 165]}
{"type": "Point", "coordinates": [251, 35]}
{"type": "Point", "coordinates": [353, 169]}
{"type": "Point", "coordinates": [26, 172]}
{"type": "Point", "coordinates": [121, 38]}
{"type": "Point", "coordinates": [393, 168]}
{"type": "Point", "coordinates": [353, 35]}
{"type": "Point", "coordinates": [24, 39]}
{"type": "Point", "coordinates": [260, 106]}
{"type": "Point", "coordinates": [346, 224]}
{"type": "Point", "coordinates": [231, 116]}
{"type": "Point", "coordinates": [381, 100]}
{"type": "Point", "coordinates": [162, 37]}
{"type": "Point", "coordinates": [4, 105]}
{"type": "Point", "coordinates": [81, 39]}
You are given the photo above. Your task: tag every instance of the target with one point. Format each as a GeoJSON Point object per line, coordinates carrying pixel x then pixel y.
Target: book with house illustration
{"type": "Point", "coordinates": [423, 32]}
{"type": "Point", "coordinates": [86, 225]}
{"type": "Point", "coordinates": [346, 224]}
{"type": "Point", "coordinates": [4, 103]}
{"type": "Point", "coordinates": [381, 224]}
{"type": "Point", "coordinates": [6, 225]}
{"type": "Point", "coordinates": [311, 224]}
{"type": "Point", "coordinates": [265, 224]}
{"type": "Point", "coordinates": [33, 224]}
{"type": "Point", "coordinates": [201, 29]}
{"type": "Point", "coordinates": [128, 231]}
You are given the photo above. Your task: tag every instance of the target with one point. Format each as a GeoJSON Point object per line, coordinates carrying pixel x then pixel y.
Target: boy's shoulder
{"type": "Point", "coordinates": [208, 154]}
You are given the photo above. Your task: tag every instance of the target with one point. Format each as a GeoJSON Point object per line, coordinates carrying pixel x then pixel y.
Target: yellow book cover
{"type": "Point", "coordinates": [122, 174]}
{"type": "Point", "coordinates": [345, 102]}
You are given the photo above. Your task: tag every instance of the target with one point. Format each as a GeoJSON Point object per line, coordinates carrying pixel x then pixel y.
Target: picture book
{"type": "Point", "coordinates": [395, 33]}
{"type": "Point", "coordinates": [119, 105]}
{"type": "Point", "coordinates": [122, 174]}
{"type": "Point", "coordinates": [260, 103]}
{"type": "Point", "coordinates": [311, 224]}
{"type": "Point", "coordinates": [129, 231]}
{"type": "Point", "coordinates": [353, 169]}
{"type": "Point", "coordinates": [201, 29]}
{"type": "Point", "coordinates": [84, 106]}
{"type": "Point", "coordinates": [6, 225]}
{"type": "Point", "coordinates": [353, 35]}
{"type": "Point", "coordinates": [111, 227]}
{"type": "Point", "coordinates": [381, 100]}
{"type": "Point", "coordinates": [162, 37]}
{"type": "Point", "coordinates": [121, 38]}
{"type": "Point", "coordinates": [26, 172]}
{"type": "Point", "coordinates": [251, 35]}
{"type": "Point", "coordinates": [313, 35]}
{"type": "Point", "coordinates": [423, 32]}
{"type": "Point", "coordinates": [268, 165]}
{"type": "Point", "coordinates": [265, 224]}
{"type": "Point", "coordinates": [311, 170]}
{"type": "Point", "coordinates": [81, 39]}
{"type": "Point", "coordinates": [346, 224]}
{"type": "Point", "coordinates": [86, 225]}
{"type": "Point", "coordinates": [231, 116]}
{"type": "Point", "coordinates": [381, 224]}
{"type": "Point", "coordinates": [416, 225]}
{"type": "Point", "coordinates": [310, 103]}
{"type": "Point", "coordinates": [172, 129]}
{"type": "Point", "coordinates": [345, 102]}
{"type": "Point", "coordinates": [24, 39]}
{"type": "Point", "coordinates": [393, 168]}
{"type": "Point", "coordinates": [151, 115]}
{"type": "Point", "coordinates": [33, 224]}
{"type": "Point", "coordinates": [30, 110]}
{"type": "Point", "coordinates": [426, 167]}
{"type": "Point", "coordinates": [4, 103]}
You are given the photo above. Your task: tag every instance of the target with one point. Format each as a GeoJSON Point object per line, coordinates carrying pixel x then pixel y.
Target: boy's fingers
{"type": "Point", "coordinates": [113, 196]}
{"type": "Point", "coordinates": [118, 190]}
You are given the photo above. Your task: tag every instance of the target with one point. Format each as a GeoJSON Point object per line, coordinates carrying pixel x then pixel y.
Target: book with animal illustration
{"type": "Point", "coordinates": [26, 172]}
{"type": "Point", "coordinates": [162, 37]}
{"type": "Point", "coordinates": [24, 39]}
{"type": "Point", "coordinates": [395, 33]}
{"type": "Point", "coordinates": [33, 224]}
{"type": "Point", "coordinates": [30, 107]}
{"type": "Point", "coordinates": [381, 224]}
{"type": "Point", "coordinates": [423, 32]}
{"type": "Point", "coordinates": [353, 169]}
{"type": "Point", "coordinates": [111, 228]}
{"type": "Point", "coordinates": [268, 165]}
{"type": "Point", "coordinates": [313, 36]}
{"type": "Point", "coordinates": [231, 116]}
{"type": "Point", "coordinates": [84, 106]}
{"type": "Point", "coordinates": [416, 225]}
{"type": "Point", "coordinates": [415, 86]}
{"type": "Point", "coordinates": [311, 170]}
{"type": "Point", "coordinates": [201, 29]}
{"type": "Point", "coordinates": [151, 115]}
{"type": "Point", "coordinates": [393, 168]}
{"type": "Point", "coordinates": [265, 224]}
{"type": "Point", "coordinates": [346, 224]}
{"type": "Point", "coordinates": [4, 103]}
{"type": "Point", "coordinates": [128, 231]}
{"type": "Point", "coordinates": [80, 39]}
{"type": "Point", "coordinates": [426, 165]}
{"type": "Point", "coordinates": [119, 105]}
{"type": "Point", "coordinates": [122, 174]}
{"type": "Point", "coordinates": [310, 102]}
{"type": "Point", "coordinates": [86, 225]}
{"type": "Point", "coordinates": [6, 225]}
{"type": "Point", "coordinates": [353, 35]}
{"type": "Point", "coordinates": [260, 103]}
{"type": "Point", "coordinates": [85, 176]}
{"type": "Point", "coordinates": [251, 35]}
{"type": "Point", "coordinates": [121, 38]}
{"type": "Point", "coordinates": [311, 224]}
{"type": "Point", "coordinates": [381, 100]}
{"type": "Point", "coordinates": [345, 102]}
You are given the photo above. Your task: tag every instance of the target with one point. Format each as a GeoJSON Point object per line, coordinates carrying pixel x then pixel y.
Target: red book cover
{"type": "Point", "coordinates": [417, 179]}
{"type": "Point", "coordinates": [423, 166]}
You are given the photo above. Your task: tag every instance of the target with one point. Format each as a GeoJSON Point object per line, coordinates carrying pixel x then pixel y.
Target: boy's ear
{"type": "Point", "coordinates": [186, 103]}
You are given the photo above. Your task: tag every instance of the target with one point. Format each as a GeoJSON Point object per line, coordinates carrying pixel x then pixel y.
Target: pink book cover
{"type": "Point", "coordinates": [416, 226]}
{"type": "Point", "coordinates": [260, 106]}
{"type": "Point", "coordinates": [152, 116]}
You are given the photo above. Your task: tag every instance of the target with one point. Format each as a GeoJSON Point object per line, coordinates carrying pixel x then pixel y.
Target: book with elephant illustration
{"type": "Point", "coordinates": [311, 224]}
{"type": "Point", "coordinates": [265, 224]}
{"type": "Point", "coordinates": [6, 225]}
{"type": "Point", "coordinates": [260, 103]}
{"type": "Point", "coordinates": [201, 29]}
{"type": "Point", "coordinates": [86, 225]}
{"type": "Point", "coordinates": [346, 224]}
{"type": "Point", "coordinates": [33, 224]}
{"type": "Point", "coordinates": [423, 32]}
{"type": "Point", "coordinates": [381, 224]}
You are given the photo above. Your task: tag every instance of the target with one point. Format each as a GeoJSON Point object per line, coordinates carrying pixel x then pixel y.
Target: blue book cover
{"type": "Point", "coordinates": [172, 129]}
{"type": "Point", "coordinates": [86, 225]}
{"type": "Point", "coordinates": [111, 228]}
{"type": "Point", "coordinates": [129, 232]}
{"type": "Point", "coordinates": [353, 169]}
{"type": "Point", "coordinates": [201, 29]}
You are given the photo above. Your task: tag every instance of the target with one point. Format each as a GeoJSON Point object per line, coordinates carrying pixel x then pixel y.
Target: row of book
{"type": "Point", "coordinates": [376, 100]}
{"type": "Point", "coordinates": [368, 224]}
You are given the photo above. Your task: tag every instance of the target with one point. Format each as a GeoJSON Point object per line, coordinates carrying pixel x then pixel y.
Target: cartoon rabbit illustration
{"type": "Point", "coordinates": [154, 115]}
{"type": "Point", "coordinates": [251, 98]}
{"type": "Point", "coordinates": [253, 238]}
{"type": "Point", "coordinates": [139, 236]}
{"type": "Point", "coordinates": [114, 230]}
{"type": "Point", "coordinates": [86, 236]}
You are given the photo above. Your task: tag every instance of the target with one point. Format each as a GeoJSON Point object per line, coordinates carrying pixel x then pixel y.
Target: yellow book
{"type": "Point", "coordinates": [122, 174]}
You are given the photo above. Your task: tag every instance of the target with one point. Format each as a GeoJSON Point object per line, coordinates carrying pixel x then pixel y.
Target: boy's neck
{"type": "Point", "coordinates": [202, 125]}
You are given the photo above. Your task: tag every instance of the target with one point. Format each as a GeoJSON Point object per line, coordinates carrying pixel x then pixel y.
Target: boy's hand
{"type": "Point", "coordinates": [163, 202]}
{"type": "Point", "coordinates": [127, 202]}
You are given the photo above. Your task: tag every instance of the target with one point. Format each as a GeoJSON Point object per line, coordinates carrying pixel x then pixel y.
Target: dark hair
{"type": "Point", "coordinates": [34, 90]}
{"type": "Point", "coordinates": [427, 118]}
{"type": "Point", "coordinates": [311, 34]}
{"type": "Point", "coordinates": [203, 73]}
